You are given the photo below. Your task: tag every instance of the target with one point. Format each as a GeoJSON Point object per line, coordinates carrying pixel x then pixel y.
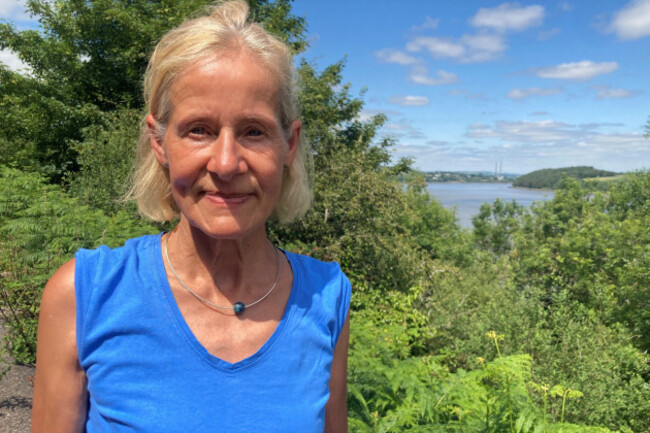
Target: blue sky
{"type": "Point", "coordinates": [466, 84]}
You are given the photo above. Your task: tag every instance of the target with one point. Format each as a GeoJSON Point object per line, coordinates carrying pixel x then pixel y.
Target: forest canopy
{"type": "Point", "coordinates": [549, 178]}
{"type": "Point", "coordinates": [536, 320]}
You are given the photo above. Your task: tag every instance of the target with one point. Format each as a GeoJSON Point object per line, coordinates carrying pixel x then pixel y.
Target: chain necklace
{"type": "Point", "coordinates": [238, 307]}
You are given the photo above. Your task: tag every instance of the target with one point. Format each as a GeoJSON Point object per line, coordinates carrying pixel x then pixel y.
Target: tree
{"type": "Point", "coordinates": [495, 225]}
{"type": "Point", "coordinates": [87, 60]}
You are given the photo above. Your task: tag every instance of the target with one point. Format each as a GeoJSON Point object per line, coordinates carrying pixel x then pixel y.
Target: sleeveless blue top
{"type": "Point", "coordinates": [147, 372]}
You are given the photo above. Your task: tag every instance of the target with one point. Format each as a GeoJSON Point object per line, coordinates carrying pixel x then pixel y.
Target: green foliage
{"type": "Point", "coordinates": [592, 249]}
{"type": "Point", "coordinates": [574, 274]}
{"type": "Point", "coordinates": [495, 225]}
{"type": "Point", "coordinates": [105, 158]}
{"type": "Point", "coordinates": [40, 228]}
{"type": "Point", "coordinates": [583, 258]}
{"type": "Point", "coordinates": [38, 123]}
{"type": "Point", "coordinates": [390, 393]}
{"type": "Point", "coordinates": [329, 110]}
{"type": "Point", "coordinates": [550, 177]}
{"type": "Point", "coordinates": [631, 196]}
{"type": "Point", "coordinates": [432, 227]}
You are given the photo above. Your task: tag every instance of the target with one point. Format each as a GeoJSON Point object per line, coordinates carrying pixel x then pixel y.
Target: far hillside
{"type": "Point", "coordinates": [550, 177]}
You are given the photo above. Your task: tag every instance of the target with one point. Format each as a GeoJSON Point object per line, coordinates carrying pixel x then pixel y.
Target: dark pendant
{"type": "Point", "coordinates": [239, 307]}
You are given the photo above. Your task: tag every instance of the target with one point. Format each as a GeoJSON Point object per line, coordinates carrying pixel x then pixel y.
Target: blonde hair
{"type": "Point", "coordinates": [225, 28]}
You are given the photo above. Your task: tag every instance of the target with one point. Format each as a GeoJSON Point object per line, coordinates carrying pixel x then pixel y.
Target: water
{"type": "Point", "coordinates": [468, 197]}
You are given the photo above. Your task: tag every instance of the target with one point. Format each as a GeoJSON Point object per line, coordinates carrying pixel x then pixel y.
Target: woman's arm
{"type": "Point", "coordinates": [60, 387]}
{"type": "Point", "coordinates": [336, 410]}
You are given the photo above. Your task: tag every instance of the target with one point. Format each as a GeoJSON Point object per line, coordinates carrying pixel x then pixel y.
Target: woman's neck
{"type": "Point", "coordinates": [239, 267]}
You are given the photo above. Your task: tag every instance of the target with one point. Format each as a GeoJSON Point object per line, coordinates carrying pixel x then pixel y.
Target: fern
{"type": "Point", "coordinates": [40, 228]}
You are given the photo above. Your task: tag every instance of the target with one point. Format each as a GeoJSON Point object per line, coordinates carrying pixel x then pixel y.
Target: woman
{"type": "Point", "coordinates": [208, 327]}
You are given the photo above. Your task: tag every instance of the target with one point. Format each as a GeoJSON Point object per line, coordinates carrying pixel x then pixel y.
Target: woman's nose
{"type": "Point", "coordinates": [226, 159]}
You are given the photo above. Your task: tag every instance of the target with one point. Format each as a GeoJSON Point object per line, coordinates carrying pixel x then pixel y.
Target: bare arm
{"type": "Point", "coordinates": [60, 388]}
{"type": "Point", "coordinates": [336, 411]}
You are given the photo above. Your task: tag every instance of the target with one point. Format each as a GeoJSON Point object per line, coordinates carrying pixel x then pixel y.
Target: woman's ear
{"type": "Point", "coordinates": [294, 142]}
{"type": "Point", "coordinates": [156, 140]}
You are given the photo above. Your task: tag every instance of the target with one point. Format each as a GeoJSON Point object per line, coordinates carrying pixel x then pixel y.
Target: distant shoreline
{"type": "Point", "coordinates": [495, 182]}
{"type": "Point", "coordinates": [533, 189]}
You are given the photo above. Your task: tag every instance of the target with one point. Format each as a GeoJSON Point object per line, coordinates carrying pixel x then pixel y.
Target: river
{"type": "Point", "coordinates": [468, 197]}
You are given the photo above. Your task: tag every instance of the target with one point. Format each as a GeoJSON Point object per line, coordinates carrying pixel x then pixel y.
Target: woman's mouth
{"type": "Point", "coordinates": [227, 199]}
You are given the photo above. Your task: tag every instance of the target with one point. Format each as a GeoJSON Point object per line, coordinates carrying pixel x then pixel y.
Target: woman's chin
{"type": "Point", "coordinates": [227, 227]}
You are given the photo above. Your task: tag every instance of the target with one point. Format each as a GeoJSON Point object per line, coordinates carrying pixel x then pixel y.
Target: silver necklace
{"type": "Point", "coordinates": [238, 307]}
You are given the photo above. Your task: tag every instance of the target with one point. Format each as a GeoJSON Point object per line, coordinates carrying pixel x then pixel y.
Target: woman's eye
{"type": "Point", "coordinates": [197, 130]}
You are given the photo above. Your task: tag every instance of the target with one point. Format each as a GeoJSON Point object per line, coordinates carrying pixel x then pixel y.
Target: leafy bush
{"type": "Point", "coordinates": [40, 228]}
{"type": "Point", "coordinates": [105, 157]}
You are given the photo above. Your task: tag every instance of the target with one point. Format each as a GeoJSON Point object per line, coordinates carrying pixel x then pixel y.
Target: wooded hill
{"type": "Point", "coordinates": [549, 178]}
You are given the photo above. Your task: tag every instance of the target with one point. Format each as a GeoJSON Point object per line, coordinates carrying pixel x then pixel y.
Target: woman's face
{"type": "Point", "coordinates": [225, 145]}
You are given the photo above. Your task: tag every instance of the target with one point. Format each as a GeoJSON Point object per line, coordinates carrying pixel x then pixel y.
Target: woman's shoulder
{"type": "Point", "coordinates": [59, 290]}
{"type": "Point", "coordinates": [319, 274]}
{"type": "Point", "coordinates": [61, 286]}
{"type": "Point", "coordinates": [324, 290]}
{"type": "Point", "coordinates": [130, 246]}
{"type": "Point", "coordinates": [313, 265]}
{"type": "Point", "coordinates": [105, 261]}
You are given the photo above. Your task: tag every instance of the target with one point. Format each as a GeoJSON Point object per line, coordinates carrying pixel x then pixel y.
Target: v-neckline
{"type": "Point", "coordinates": [186, 332]}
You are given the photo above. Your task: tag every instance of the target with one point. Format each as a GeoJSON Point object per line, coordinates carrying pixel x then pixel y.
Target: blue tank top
{"type": "Point", "coordinates": [148, 373]}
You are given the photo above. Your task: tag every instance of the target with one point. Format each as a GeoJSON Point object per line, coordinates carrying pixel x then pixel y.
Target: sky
{"type": "Point", "coordinates": [470, 84]}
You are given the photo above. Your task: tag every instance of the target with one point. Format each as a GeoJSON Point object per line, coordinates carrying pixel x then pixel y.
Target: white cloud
{"type": "Point", "coordinates": [564, 6]}
{"type": "Point", "coordinates": [12, 61]}
{"type": "Point", "coordinates": [548, 34]}
{"type": "Point", "coordinates": [524, 146]}
{"type": "Point", "coordinates": [397, 127]}
{"type": "Point", "coordinates": [389, 55]}
{"type": "Point", "coordinates": [594, 126]}
{"type": "Point", "coordinates": [420, 75]}
{"type": "Point", "coordinates": [483, 47]}
{"type": "Point", "coordinates": [613, 93]}
{"type": "Point", "coordinates": [577, 71]}
{"type": "Point", "coordinates": [429, 23]}
{"type": "Point", "coordinates": [556, 144]}
{"type": "Point", "coordinates": [402, 130]}
{"type": "Point", "coordinates": [606, 92]}
{"type": "Point", "coordinates": [438, 47]}
{"type": "Point", "coordinates": [509, 16]}
{"type": "Point", "coordinates": [633, 21]}
{"type": "Point", "coordinates": [543, 131]}
{"type": "Point", "coordinates": [520, 94]}
{"type": "Point", "coordinates": [365, 115]}
{"type": "Point", "coordinates": [13, 10]}
{"type": "Point", "coordinates": [416, 101]}
{"type": "Point", "coordinates": [549, 133]}
{"type": "Point", "coordinates": [468, 95]}
{"type": "Point", "coordinates": [466, 49]}
{"type": "Point", "coordinates": [412, 150]}
{"type": "Point", "coordinates": [438, 143]}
